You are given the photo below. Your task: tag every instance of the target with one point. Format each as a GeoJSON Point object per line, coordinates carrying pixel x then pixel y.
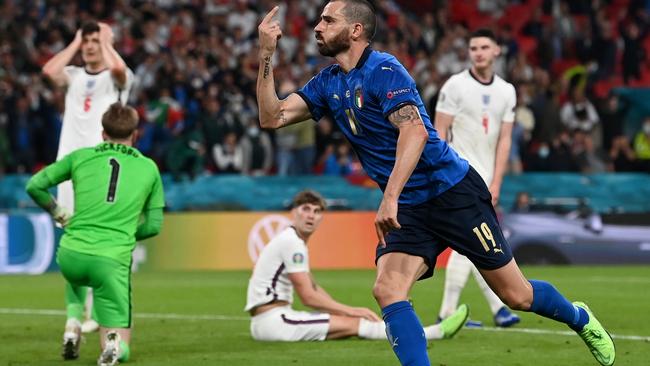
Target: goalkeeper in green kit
{"type": "Point", "coordinates": [118, 200]}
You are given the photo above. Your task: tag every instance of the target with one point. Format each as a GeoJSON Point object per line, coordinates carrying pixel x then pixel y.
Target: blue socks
{"type": "Point", "coordinates": [405, 334]}
{"type": "Point", "coordinates": [549, 303]}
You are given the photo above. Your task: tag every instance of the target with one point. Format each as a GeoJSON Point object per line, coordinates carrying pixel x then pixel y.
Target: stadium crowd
{"type": "Point", "coordinates": [196, 65]}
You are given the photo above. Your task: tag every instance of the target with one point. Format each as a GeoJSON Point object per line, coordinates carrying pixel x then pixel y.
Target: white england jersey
{"type": "Point", "coordinates": [478, 109]}
{"type": "Point", "coordinates": [284, 254]}
{"type": "Point", "coordinates": [87, 98]}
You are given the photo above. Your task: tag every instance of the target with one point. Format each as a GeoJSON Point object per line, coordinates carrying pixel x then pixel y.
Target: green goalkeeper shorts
{"type": "Point", "coordinates": [109, 279]}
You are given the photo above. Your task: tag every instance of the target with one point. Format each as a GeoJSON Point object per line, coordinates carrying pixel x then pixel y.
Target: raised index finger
{"type": "Point", "coordinates": [269, 16]}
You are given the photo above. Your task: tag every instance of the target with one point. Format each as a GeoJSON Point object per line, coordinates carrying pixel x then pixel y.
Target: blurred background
{"type": "Point", "coordinates": [580, 160]}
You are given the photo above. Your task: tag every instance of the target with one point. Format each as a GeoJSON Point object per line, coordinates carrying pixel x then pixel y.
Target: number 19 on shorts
{"type": "Point", "coordinates": [483, 234]}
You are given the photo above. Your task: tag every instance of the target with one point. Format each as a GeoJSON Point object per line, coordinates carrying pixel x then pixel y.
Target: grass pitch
{"type": "Point", "coordinates": [196, 318]}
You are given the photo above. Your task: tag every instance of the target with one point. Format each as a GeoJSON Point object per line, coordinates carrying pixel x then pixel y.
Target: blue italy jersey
{"type": "Point", "coordinates": [360, 103]}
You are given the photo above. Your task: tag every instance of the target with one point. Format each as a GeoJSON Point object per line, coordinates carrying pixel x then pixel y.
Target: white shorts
{"type": "Point", "coordinates": [288, 325]}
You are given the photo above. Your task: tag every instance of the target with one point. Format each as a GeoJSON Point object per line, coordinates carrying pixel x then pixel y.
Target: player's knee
{"type": "Point", "coordinates": [387, 291]}
{"type": "Point", "coordinates": [517, 300]}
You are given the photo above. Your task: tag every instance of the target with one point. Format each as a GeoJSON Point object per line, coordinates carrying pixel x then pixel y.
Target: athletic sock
{"type": "Point", "coordinates": [433, 332]}
{"type": "Point", "coordinates": [125, 352]}
{"type": "Point", "coordinates": [456, 275]}
{"type": "Point", "coordinates": [549, 302]}
{"type": "Point", "coordinates": [493, 300]}
{"type": "Point", "coordinates": [371, 330]}
{"type": "Point", "coordinates": [405, 334]}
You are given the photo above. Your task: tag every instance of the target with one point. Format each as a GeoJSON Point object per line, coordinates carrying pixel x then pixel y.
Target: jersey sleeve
{"type": "Point", "coordinates": [392, 86]}
{"type": "Point", "coordinates": [38, 185]}
{"type": "Point", "coordinates": [157, 196]}
{"type": "Point", "coordinates": [295, 257]}
{"type": "Point", "coordinates": [509, 114]}
{"type": "Point", "coordinates": [313, 93]}
{"type": "Point", "coordinates": [71, 71]}
{"type": "Point", "coordinates": [448, 98]}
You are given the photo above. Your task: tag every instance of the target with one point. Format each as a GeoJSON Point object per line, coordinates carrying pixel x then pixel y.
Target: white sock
{"type": "Point", "coordinates": [433, 332]}
{"type": "Point", "coordinates": [493, 300]}
{"type": "Point", "coordinates": [458, 269]}
{"type": "Point", "coordinates": [372, 330]}
{"type": "Point", "coordinates": [72, 328]}
{"type": "Point", "coordinates": [88, 305]}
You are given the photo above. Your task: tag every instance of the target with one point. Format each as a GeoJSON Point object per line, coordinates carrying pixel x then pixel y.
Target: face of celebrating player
{"type": "Point", "coordinates": [90, 51]}
{"type": "Point", "coordinates": [482, 52]}
{"type": "Point", "coordinates": [306, 218]}
{"type": "Point", "coordinates": [333, 31]}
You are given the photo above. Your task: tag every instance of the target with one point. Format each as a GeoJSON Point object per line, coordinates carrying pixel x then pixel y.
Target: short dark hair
{"type": "Point", "coordinates": [308, 196]}
{"type": "Point", "coordinates": [361, 11]}
{"type": "Point", "coordinates": [89, 28]}
{"type": "Point", "coordinates": [483, 32]}
{"type": "Point", "coordinates": [119, 121]}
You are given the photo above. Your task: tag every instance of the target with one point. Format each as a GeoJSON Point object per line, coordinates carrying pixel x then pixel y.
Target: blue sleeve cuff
{"type": "Point", "coordinates": [312, 109]}
{"type": "Point", "coordinates": [398, 106]}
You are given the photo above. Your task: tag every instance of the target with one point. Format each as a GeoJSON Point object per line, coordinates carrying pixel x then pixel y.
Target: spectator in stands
{"type": "Point", "coordinates": [587, 158]}
{"type": "Point", "coordinates": [521, 130]}
{"type": "Point", "coordinates": [579, 113]}
{"type": "Point", "coordinates": [186, 152]}
{"type": "Point", "coordinates": [257, 150]}
{"type": "Point", "coordinates": [612, 119]}
{"type": "Point", "coordinates": [622, 157]}
{"type": "Point", "coordinates": [229, 155]}
{"type": "Point", "coordinates": [633, 54]}
{"type": "Point", "coordinates": [22, 121]}
{"type": "Point", "coordinates": [642, 146]}
{"type": "Point", "coordinates": [522, 202]}
{"type": "Point", "coordinates": [561, 156]}
{"type": "Point", "coordinates": [339, 162]}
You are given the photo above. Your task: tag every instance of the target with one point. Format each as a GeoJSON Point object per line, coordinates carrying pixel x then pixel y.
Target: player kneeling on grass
{"type": "Point", "coordinates": [114, 185]}
{"type": "Point", "coordinates": [284, 265]}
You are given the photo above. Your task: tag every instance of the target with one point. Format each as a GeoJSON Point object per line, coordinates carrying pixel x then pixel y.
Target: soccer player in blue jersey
{"type": "Point", "coordinates": [432, 198]}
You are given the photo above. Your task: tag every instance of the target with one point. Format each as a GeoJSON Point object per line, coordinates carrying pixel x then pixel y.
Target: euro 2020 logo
{"type": "Point", "coordinates": [263, 231]}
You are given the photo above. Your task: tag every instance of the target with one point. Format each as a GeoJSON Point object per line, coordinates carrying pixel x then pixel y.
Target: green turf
{"type": "Point", "coordinates": [618, 295]}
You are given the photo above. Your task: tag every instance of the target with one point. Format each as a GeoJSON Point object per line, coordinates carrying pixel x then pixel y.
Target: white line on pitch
{"type": "Point", "coordinates": [556, 332]}
{"type": "Point", "coordinates": [137, 315]}
{"type": "Point", "coordinates": [228, 317]}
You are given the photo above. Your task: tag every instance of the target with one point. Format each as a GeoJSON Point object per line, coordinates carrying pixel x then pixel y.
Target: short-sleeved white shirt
{"type": "Point", "coordinates": [284, 254]}
{"type": "Point", "coordinates": [87, 98]}
{"type": "Point", "coordinates": [478, 109]}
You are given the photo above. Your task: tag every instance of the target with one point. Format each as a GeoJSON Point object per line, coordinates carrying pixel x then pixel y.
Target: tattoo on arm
{"type": "Point", "coordinates": [267, 67]}
{"type": "Point", "coordinates": [283, 118]}
{"type": "Point", "coordinates": [406, 115]}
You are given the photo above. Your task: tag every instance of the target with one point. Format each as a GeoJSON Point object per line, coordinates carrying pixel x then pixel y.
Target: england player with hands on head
{"type": "Point", "coordinates": [432, 198]}
{"type": "Point", "coordinates": [103, 80]}
{"type": "Point", "coordinates": [120, 200]}
{"type": "Point", "coordinates": [475, 115]}
{"type": "Point", "coordinates": [283, 265]}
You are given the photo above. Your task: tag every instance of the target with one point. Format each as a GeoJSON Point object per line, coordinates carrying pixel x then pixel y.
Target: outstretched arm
{"type": "Point", "coordinates": [53, 68]}
{"type": "Point", "coordinates": [112, 59]}
{"type": "Point", "coordinates": [316, 297]}
{"type": "Point", "coordinates": [412, 138]}
{"type": "Point", "coordinates": [274, 113]}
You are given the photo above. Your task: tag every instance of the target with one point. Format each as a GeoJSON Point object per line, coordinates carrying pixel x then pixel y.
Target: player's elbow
{"type": "Point", "coordinates": [267, 123]}
{"type": "Point", "coordinates": [307, 298]}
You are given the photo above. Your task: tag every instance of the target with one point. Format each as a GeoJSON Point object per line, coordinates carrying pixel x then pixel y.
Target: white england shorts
{"type": "Point", "coordinates": [288, 325]}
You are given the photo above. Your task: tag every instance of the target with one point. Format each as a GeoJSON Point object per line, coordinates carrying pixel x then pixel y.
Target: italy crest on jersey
{"type": "Point", "coordinates": [358, 98]}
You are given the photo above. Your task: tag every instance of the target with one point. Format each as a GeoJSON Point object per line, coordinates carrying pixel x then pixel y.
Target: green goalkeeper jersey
{"type": "Point", "coordinates": [113, 184]}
